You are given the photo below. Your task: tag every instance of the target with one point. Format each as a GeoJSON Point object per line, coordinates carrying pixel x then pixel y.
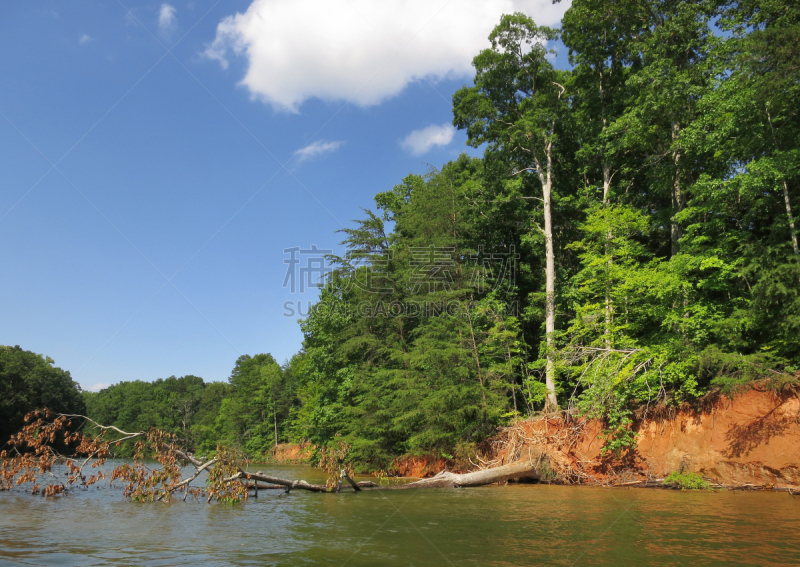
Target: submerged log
{"type": "Point", "coordinates": [285, 483]}
{"type": "Point", "coordinates": [445, 479]}
{"type": "Point", "coordinates": [297, 484]}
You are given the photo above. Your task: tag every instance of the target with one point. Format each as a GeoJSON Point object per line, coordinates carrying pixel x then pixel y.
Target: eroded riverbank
{"type": "Point", "coordinates": [749, 439]}
{"type": "Point", "coordinates": [752, 438]}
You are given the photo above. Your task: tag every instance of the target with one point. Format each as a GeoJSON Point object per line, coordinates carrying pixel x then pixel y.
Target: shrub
{"type": "Point", "coordinates": [687, 481]}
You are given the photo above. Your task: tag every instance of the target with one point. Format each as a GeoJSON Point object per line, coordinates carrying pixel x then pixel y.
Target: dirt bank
{"type": "Point", "coordinates": [419, 467]}
{"type": "Point", "coordinates": [752, 438]}
{"type": "Point", "coordinates": [292, 453]}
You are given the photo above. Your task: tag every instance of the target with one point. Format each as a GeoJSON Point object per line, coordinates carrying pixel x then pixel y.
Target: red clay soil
{"type": "Point", "coordinates": [292, 453]}
{"type": "Point", "coordinates": [752, 438]}
{"type": "Point", "coordinates": [417, 467]}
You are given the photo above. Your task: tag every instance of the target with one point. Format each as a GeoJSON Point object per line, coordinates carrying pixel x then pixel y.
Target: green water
{"type": "Point", "coordinates": [513, 525]}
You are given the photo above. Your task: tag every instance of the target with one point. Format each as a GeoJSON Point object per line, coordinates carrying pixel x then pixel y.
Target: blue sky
{"type": "Point", "coordinates": [159, 157]}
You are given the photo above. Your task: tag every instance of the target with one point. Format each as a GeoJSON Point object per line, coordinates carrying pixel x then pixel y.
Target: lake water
{"type": "Point", "coordinates": [508, 526]}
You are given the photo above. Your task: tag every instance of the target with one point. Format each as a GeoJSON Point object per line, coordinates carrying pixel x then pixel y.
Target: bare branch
{"type": "Point", "coordinates": [199, 470]}
{"type": "Point", "coordinates": [103, 427]}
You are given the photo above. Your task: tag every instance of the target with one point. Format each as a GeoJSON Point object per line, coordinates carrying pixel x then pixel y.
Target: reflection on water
{"type": "Point", "coordinates": [514, 525]}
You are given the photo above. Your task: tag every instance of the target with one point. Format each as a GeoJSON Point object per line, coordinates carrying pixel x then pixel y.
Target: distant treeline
{"type": "Point", "coordinates": [250, 411]}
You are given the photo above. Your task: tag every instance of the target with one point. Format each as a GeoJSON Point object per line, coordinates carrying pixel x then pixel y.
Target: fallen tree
{"type": "Point", "coordinates": [49, 440]}
{"type": "Point", "coordinates": [445, 479]}
{"type": "Point", "coordinates": [521, 469]}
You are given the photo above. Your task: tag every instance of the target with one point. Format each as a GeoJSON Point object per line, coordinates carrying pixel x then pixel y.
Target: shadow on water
{"type": "Point", "coordinates": [513, 525]}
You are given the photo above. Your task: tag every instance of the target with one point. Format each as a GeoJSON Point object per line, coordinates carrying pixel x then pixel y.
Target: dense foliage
{"type": "Point", "coordinates": [628, 237]}
{"type": "Point", "coordinates": [29, 381]}
{"type": "Point", "coordinates": [249, 412]}
{"type": "Point", "coordinates": [655, 182]}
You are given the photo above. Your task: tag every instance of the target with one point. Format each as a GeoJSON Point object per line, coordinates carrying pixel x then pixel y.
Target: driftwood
{"type": "Point", "coordinates": [445, 479]}
{"type": "Point", "coordinates": [288, 485]}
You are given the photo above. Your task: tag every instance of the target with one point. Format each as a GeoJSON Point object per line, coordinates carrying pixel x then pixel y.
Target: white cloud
{"type": "Point", "coordinates": [85, 38]}
{"type": "Point", "coordinates": [96, 387]}
{"type": "Point", "coordinates": [166, 17]}
{"type": "Point", "coordinates": [359, 50]}
{"type": "Point", "coordinates": [316, 149]}
{"type": "Point", "coordinates": [421, 141]}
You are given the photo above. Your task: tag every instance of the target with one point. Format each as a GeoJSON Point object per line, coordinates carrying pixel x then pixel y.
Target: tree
{"type": "Point", "coordinates": [672, 47]}
{"type": "Point", "coordinates": [248, 417]}
{"type": "Point", "coordinates": [598, 34]}
{"type": "Point", "coordinates": [516, 107]}
{"type": "Point", "coordinates": [29, 381]}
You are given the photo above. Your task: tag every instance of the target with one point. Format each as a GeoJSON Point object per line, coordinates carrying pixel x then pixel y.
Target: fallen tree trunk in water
{"type": "Point", "coordinates": [291, 484]}
{"type": "Point", "coordinates": [445, 479]}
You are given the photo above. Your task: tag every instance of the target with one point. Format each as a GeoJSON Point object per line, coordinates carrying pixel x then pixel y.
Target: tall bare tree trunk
{"type": "Point", "coordinates": [550, 285]}
{"type": "Point", "coordinates": [609, 237]}
{"type": "Point", "coordinates": [678, 198]}
{"type": "Point", "coordinates": [546, 179]}
{"type": "Point", "coordinates": [789, 214]}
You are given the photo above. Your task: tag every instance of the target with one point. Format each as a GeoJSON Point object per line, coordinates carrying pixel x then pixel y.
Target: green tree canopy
{"type": "Point", "coordinates": [30, 381]}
